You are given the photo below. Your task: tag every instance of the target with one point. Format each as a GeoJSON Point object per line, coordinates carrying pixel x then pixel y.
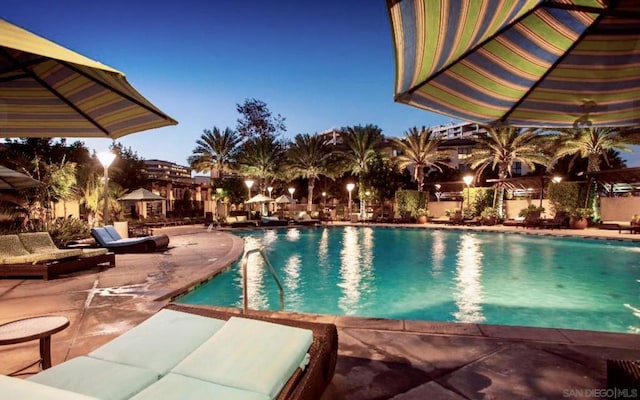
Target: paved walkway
{"type": "Point", "coordinates": [378, 359]}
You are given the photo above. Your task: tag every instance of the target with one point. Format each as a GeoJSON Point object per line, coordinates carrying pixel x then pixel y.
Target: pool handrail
{"type": "Point", "coordinates": [245, 296]}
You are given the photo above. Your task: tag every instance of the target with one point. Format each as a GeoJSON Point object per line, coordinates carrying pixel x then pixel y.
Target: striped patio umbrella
{"type": "Point", "coordinates": [47, 90]}
{"type": "Point", "coordinates": [530, 63]}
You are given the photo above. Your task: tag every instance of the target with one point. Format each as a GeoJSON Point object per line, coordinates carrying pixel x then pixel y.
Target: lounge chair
{"type": "Point", "coordinates": [191, 352]}
{"type": "Point", "coordinates": [35, 255]}
{"type": "Point", "coordinates": [559, 221]}
{"type": "Point", "coordinates": [456, 218]}
{"type": "Point", "coordinates": [273, 221]}
{"type": "Point", "coordinates": [238, 221]}
{"type": "Point", "coordinates": [109, 238]}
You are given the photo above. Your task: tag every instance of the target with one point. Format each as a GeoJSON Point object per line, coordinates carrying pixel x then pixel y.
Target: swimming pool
{"type": "Point", "coordinates": [440, 275]}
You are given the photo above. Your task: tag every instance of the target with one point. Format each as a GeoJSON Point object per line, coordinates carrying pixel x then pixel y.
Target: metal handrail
{"type": "Point", "coordinates": [245, 297]}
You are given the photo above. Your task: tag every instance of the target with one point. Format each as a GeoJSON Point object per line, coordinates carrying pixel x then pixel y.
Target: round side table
{"type": "Point", "coordinates": [33, 328]}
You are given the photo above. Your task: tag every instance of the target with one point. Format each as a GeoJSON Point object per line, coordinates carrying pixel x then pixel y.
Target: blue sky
{"type": "Point", "coordinates": [319, 64]}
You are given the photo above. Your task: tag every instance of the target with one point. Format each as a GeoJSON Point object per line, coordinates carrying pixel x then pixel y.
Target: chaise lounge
{"type": "Point", "coordinates": [109, 238]}
{"type": "Point", "coordinates": [35, 255]}
{"type": "Point", "coordinates": [191, 352]}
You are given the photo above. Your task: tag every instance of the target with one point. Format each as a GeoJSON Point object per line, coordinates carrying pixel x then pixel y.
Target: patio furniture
{"type": "Point", "coordinates": [238, 221]}
{"type": "Point", "coordinates": [191, 352]}
{"type": "Point", "coordinates": [109, 238]}
{"type": "Point", "coordinates": [559, 221]}
{"type": "Point", "coordinates": [35, 255]}
{"type": "Point", "coordinates": [35, 328]}
{"type": "Point", "coordinates": [273, 221]}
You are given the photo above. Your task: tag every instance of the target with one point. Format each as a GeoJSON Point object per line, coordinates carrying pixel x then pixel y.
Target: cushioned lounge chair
{"type": "Point", "coordinates": [305, 219]}
{"type": "Point", "coordinates": [194, 352]}
{"type": "Point", "coordinates": [109, 238]}
{"type": "Point", "coordinates": [238, 221]}
{"type": "Point", "coordinates": [273, 221]}
{"type": "Point", "coordinates": [35, 255]}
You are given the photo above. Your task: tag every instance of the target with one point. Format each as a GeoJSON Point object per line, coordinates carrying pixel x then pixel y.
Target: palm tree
{"type": "Point", "coordinates": [215, 151]}
{"type": "Point", "coordinates": [307, 157]}
{"type": "Point", "coordinates": [419, 150]}
{"type": "Point", "coordinates": [362, 147]}
{"type": "Point", "coordinates": [593, 143]}
{"type": "Point", "coordinates": [261, 157]}
{"type": "Point", "coordinates": [501, 147]}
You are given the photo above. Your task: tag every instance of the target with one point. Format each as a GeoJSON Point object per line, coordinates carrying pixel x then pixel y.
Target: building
{"type": "Point", "coordinates": [185, 196]}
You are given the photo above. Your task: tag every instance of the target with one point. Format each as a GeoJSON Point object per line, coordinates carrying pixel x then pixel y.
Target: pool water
{"type": "Point", "coordinates": [440, 275]}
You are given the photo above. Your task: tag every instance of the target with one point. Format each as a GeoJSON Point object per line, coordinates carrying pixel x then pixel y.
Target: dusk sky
{"type": "Point", "coordinates": [321, 65]}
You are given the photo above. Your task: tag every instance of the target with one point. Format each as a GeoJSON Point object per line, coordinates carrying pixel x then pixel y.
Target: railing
{"type": "Point", "coordinates": [245, 296]}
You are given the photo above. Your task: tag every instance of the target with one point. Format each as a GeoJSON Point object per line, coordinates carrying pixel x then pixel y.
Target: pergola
{"type": "Point", "coordinates": [617, 181]}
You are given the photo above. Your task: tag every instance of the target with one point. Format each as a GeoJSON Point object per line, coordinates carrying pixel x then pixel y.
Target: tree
{"type": "Point", "coordinates": [127, 170]}
{"type": "Point", "coordinates": [307, 157]}
{"type": "Point", "coordinates": [257, 121]}
{"type": "Point", "coordinates": [215, 151]}
{"type": "Point", "coordinates": [501, 147]}
{"type": "Point", "coordinates": [362, 147]}
{"type": "Point", "coordinates": [384, 177]}
{"type": "Point", "coordinates": [419, 150]}
{"type": "Point", "coordinates": [592, 143]}
{"type": "Point", "coordinates": [261, 157]}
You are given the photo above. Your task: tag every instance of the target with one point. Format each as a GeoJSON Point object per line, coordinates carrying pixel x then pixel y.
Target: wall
{"type": "Point", "coordinates": [436, 208]}
{"type": "Point", "coordinates": [513, 207]}
{"type": "Point", "coordinates": [619, 208]}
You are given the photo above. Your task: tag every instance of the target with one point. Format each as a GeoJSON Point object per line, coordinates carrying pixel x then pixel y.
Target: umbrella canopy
{"type": "Point", "coordinates": [282, 199]}
{"type": "Point", "coordinates": [141, 194]}
{"type": "Point", "coordinates": [259, 198]}
{"type": "Point", "coordinates": [10, 179]}
{"type": "Point", "coordinates": [537, 63]}
{"type": "Point", "coordinates": [47, 90]}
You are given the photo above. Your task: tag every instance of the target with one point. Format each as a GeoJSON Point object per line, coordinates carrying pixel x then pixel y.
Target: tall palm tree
{"type": "Point", "coordinates": [419, 150]}
{"type": "Point", "coordinates": [307, 157]}
{"type": "Point", "coordinates": [362, 147]}
{"type": "Point", "coordinates": [593, 143]}
{"type": "Point", "coordinates": [215, 151]}
{"type": "Point", "coordinates": [261, 157]}
{"type": "Point", "coordinates": [501, 147]}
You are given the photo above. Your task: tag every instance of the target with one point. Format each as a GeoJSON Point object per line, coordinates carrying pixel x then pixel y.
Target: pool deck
{"type": "Point", "coordinates": [378, 359]}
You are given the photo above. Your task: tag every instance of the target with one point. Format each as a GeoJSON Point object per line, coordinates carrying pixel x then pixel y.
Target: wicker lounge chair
{"type": "Point", "coordinates": [109, 238]}
{"type": "Point", "coordinates": [195, 352]}
{"type": "Point", "coordinates": [35, 255]}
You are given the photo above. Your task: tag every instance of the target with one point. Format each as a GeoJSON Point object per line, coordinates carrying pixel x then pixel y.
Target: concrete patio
{"type": "Point", "coordinates": [378, 359]}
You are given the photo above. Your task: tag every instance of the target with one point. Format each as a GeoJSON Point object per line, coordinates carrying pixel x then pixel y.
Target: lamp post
{"type": "Point", "coordinates": [324, 200]}
{"type": "Point", "coordinates": [249, 183]}
{"type": "Point", "coordinates": [106, 158]}
{"type": "Point", "coordinates": [291, 191]}
{"type": "Point", "coordinates": [438, 193]}
{"type": "Point", "coordinates": [467, 180]}
{"type": "Point", "coordinates": [269, 189]}
{"type": "Point", "coordinates": [350, 187]}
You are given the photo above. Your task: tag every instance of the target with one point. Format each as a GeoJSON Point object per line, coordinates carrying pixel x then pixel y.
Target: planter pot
{"type": "Point", "coordinates": [578, 223]}
{"type": "Point", "coordinates": [422, 219]}
{"type": "Point", "coordinates": [489, 221]}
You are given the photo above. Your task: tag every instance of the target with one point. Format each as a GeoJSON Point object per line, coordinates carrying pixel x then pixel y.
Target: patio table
{"type": "Point", "coordinates": [33, 328]}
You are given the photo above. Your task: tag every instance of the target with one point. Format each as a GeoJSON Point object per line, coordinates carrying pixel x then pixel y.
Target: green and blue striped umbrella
{"type": "Point", "coordinates": [531, 63]}
{"type": "Point", "coordinates": [47, 90]}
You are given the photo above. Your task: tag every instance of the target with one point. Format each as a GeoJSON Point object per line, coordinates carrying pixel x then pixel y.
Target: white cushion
{"type": "Point", "coordinates": [16, 388]}
{"type": "Point", "coordinates": [160, 342]}
{"type": "Point", "coordinates": [248, 354]}
{"type": "Point", "coordinates": [179, 387]}
{"type": "Point", "coordinates": [92, 377]}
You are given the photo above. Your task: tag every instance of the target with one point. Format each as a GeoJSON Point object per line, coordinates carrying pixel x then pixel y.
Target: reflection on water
{"type": "Point", "coordinates": [438, 249]}
{"type": "Point", "coordinates": [293, 234]}
{"type": "Point", "coordinates": [255, 282]}
{"type": "Point", "coordinates": [323, 248]}
{"type": "Point", "coordinates": [356, 268]}
{"type": "Point", "coordinates": [468, 290]}
{"type": "Point", "coordinates": [292, 279]}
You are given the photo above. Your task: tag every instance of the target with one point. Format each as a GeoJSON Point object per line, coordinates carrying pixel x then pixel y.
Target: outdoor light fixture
{"type": "Point", "coordinates": [350, 187]}
{"type": "Point", "coordinates": [270, 189]}
{"type": "Point", "coordinates": [249, 183]}
{"type": "Point", "coordinates": [556, 179]}
{"type": "Point", "coordinates": [291, 191]}
{"type": "Point", "coordinates": [467, 180]}
{"type": "Point", "coordinates": [324, 199]}
{"type": "Point", "coordinates": [106, 158]}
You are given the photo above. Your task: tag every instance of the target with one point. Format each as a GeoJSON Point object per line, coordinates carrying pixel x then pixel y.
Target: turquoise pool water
{"type": "Point", "coordinates": [441, 275]}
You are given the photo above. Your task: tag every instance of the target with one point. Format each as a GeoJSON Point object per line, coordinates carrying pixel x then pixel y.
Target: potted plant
{"type": "Point", "coordinates": [489, 216]}
{"type": "Point", "coordinates": [579, 217]}
{"type": "Point", "coordinates": [421, 215]}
